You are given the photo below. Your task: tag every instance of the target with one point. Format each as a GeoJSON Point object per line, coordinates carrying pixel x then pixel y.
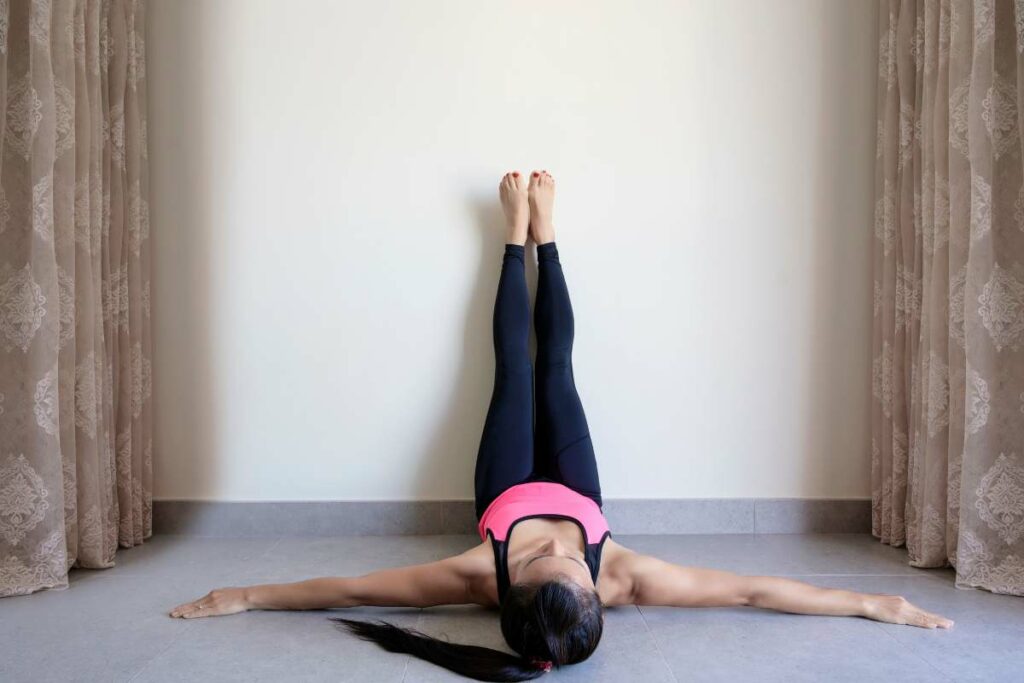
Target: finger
{"type": "Point", "coordinates": [922, 621]}
{"type": "Point", "coordinates": [180, 608]}
{"type": "Point", "coordinates": [938, 620]}
{"type": "Point", "coordinates": [926, 617]}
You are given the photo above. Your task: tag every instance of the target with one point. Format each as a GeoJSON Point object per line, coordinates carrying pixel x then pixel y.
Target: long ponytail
{"type": "Point", "coordinates": [481, 663]}
{"type": "Point", "coordinates": [548, 625]}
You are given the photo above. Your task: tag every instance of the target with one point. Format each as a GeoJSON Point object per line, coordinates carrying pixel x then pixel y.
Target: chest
{"type": "Point", "coordinates": [526, 535]}
{"type": "Point", "coordinates": [611, 587]}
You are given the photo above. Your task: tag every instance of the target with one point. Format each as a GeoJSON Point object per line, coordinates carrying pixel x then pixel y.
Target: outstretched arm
{"type": "Point", "coordinates": [656, 582]}
{"type": "Point", "coordinates": [444, 582]}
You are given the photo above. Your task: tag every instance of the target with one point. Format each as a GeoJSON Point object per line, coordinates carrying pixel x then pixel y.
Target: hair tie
{"type": "Point", "coordinates": [541, 664]}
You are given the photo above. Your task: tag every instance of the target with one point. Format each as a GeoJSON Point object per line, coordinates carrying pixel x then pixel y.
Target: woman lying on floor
{"type": "Point", "coordinates": [554, 576]}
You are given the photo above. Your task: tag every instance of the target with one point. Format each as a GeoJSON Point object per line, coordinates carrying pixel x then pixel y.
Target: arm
{"type": "Point", "coordinates": [435, 583]}
{"type": "Point", "coordinates": [655, 582]}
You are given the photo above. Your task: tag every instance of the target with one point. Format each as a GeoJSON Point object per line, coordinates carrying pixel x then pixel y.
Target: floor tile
{"type": "Point", "coordinates": [743, 644]}
{"type": "Point", "coordinates": [100, 629]}
{"type": "Point", "coordinates": [278, 646]}
{"type": "Point", "coordinates": [777, 554]}
{"type": "Point", "coordinates": [986, 642]}
{"type": "Point", "coordinates": [299, 558]}
{"type": "Point", "coordinates": [167, 556]}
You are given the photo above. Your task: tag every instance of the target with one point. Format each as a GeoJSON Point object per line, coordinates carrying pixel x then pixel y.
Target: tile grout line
{"type": "Point", "coordinates": [157, 656]}
{"type": "Point", "coordinates": [912, 652]}
{"type": "Point", "coordinates": [277, 542]}
{"type": "Point", "coordinates": [183, 630]}
{"type": "Point", "coordinates": [657, 645]}
{"type": "Point", "coordinates": [408, 657]}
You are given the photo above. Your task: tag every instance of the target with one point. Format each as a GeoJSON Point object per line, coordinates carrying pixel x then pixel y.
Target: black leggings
{"type": "Point", "coordinates": [560, 450]}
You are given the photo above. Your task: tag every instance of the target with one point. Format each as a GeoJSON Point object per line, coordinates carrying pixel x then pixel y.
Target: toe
{"type": "Point", "coordinates": [534, 178]}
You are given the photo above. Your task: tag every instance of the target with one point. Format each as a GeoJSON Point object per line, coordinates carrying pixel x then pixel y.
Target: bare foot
{"type": "Point", "coordinates": [512, 191]}
{"type": "Point", "coordinates": [542, 200]}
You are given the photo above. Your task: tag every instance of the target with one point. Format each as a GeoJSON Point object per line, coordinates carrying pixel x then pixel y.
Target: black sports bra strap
{"type": "Point", "coordinates": [593, 556]}
{"type": "Point", "coordinates": [500, 566]}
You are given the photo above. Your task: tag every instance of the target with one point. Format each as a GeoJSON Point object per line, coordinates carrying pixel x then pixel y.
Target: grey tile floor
{"type": "Point", "coordinates": [112, 625]}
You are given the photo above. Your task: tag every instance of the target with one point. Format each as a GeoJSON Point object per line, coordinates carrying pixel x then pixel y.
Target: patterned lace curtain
{"type": "Point", "coordinates": [948, 410]}
{"type": "Point", "coordinates": [75, 472]}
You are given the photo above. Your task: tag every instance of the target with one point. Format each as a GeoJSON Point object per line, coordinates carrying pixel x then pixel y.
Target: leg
{"type": "Point", "coordinates": [564, 451]}
{"type": "Point", "coordinates": [505, 457]}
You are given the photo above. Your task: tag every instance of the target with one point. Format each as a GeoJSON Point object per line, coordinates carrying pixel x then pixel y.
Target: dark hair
{"type": "Point", "coordinates": [557, 622]}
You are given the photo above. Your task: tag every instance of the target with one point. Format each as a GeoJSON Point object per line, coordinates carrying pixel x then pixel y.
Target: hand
{"type": "Point", "coordinates": [214, 604]}
{"type": "Point", "coordinates": [895, 609]}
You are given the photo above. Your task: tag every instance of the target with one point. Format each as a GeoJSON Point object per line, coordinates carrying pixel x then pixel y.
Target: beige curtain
{"type": "Point", "coordinates": [948, 410]}
{"type": "Point", "coordinates": [75, 467]}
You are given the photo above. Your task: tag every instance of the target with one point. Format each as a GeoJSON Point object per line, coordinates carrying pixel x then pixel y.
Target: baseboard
{"type": "Point", "coordinates": [625, 516]}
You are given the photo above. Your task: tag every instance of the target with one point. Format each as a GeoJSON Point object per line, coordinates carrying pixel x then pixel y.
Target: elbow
{"type": "Point", "coordinates": [347, 592]}
{"type": "Point", "coordinates": [752, 600]}
{"type": "Point", "coordinates": [756, 592]}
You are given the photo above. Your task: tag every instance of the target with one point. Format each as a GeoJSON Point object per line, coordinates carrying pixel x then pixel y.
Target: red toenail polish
{"type": "Point", "coordinates": [516, 174]}
{"type": "Point", "coordinates": [536, 174]}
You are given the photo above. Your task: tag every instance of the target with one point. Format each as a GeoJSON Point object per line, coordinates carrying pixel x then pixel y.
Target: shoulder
{"type": "Point", "coordinates": [616, 579]}
{"type": "Point", "coordinates": [476, 566]}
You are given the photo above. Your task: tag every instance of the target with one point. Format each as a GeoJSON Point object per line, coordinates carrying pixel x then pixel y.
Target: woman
{"type": "Point", "coordinates": [556, 573]}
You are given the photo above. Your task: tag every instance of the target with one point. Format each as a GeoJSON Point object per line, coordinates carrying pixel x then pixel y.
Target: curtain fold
{"type": "Point", "coordinates": [75, 379]}
{"type": "Point", "coordinates": [948, 334]}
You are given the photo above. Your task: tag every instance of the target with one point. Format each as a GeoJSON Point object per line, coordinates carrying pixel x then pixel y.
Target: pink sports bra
{"type": "Point", "coordinates": [542, 499]}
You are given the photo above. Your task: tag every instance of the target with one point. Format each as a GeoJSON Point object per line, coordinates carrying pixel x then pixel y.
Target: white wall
{"type": "Point", "coordinates": [327, 239]}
